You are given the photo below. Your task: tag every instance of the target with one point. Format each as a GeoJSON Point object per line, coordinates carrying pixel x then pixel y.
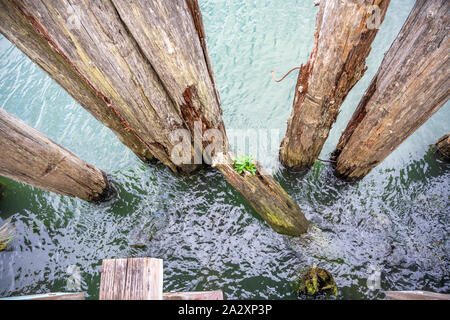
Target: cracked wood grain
{"type": "Point", "coordinates": [343, 38]}
{"type": "Point", "coordinates": [412, 83]}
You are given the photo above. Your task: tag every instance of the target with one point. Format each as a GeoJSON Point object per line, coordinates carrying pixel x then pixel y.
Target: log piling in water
{"type": "Point", "coordinates": [30, 157]}
{"type": "Point", "coordinates": [268, 199]}
{"type": "Point", "coordinates": [344, 33]}
{"type": "Point", "coordinates": [51, 296]}
{"type": "Point", "coordinates": [30, 26]}
{"type": "Point", "coordinates": [442, 147]}
{"type": "Point", "coordinates": [188, 77]}
{"type": "Point", "coordinates": [142, 69]}
{"type": "Point", "coordinates": [132, 279]}
{"type": "Point", "coordinates": [137, 66]}
{"type": "Point", "coordinates": [412, 83]}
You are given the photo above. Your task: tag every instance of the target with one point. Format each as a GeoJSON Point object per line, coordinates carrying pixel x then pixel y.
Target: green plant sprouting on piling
{"type": "Point", "coordinates": [244, 164]}
{"type": "Point", "coordinates": [6, 235]}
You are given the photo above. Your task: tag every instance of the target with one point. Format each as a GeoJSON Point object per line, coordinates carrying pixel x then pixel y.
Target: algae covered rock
{"type": "Point", "coordinates": [317, 281]}
{"type": "Point", "coordinates": [6, 234]}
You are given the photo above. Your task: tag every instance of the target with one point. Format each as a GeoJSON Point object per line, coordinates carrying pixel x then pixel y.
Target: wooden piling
{"type": "Point", "coordinates": [412, 83]}
{"type": "Point", "coordinates": [442, 147]}
{"type": "Point", "coordinates": [26, 28]}
{"type": "Point", "coordinates": [268, 199]}
{"type": "Point", "coordinates": [30, 157]}
{"type": "Point", "coordinates": [344, 33]}
{"type": "Point", "coordinates": [141, 68]}
{"type": "Point", "coordinates": [141, 72]}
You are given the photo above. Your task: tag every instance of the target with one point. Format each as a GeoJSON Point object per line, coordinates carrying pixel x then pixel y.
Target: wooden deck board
{"type": "Point", "coordinates": [131, 279]}
{"type": "Point", "coordinates": [416, 295]}
{"type": "Point", "coordinates": [198, 295]}
{"type": "Point", "coordinates": [51, 296]}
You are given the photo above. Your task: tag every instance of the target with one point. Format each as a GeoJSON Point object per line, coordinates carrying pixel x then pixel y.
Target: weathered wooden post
{"type": "Point", "coordinates": [142, 68]}
{"type": "Point", "coordinates": [30, 157]}
{"type": "Point", "coordinates": [21, 24]}
{"type": "Point", "coordinates": [344, 33]}
{"type": "Point", "coordinates": [268, 199]}
{"type": "Point", "coordinates": [412, 83]}
{"type": "Point", "coordinates": [143, 95]}
{"type": "Point", "coordinates": [443, 146]}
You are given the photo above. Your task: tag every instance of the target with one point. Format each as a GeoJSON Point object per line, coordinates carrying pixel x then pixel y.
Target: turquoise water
{"type": "Point", "coordinates": [395, 219]}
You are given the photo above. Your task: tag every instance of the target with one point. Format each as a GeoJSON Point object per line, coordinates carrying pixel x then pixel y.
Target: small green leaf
{"type": "Point", "coordinates": [244, 163]}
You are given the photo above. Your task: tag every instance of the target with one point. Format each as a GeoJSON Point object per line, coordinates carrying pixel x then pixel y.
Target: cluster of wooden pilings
{"type": "Point", "coordinates": [411, 84]}
{"type": "Point", "coordinates": [142, 69]}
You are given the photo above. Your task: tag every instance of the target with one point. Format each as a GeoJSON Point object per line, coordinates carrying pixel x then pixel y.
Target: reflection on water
{"type": "Point", "coordinates": [396, 219]}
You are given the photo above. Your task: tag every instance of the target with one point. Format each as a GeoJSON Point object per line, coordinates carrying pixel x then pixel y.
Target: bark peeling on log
{"type": "Point", "coordinates": [189, 112]}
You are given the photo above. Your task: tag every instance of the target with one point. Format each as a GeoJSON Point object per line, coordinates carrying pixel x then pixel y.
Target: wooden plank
{"type": "Point", "coordinates": [51, 296]}
{"type": "Point", "coordinates": [107, 280]}
{"type": "Point", "coordinates": [112, 283]}
{"type": "Point", "coordinates": [131, 279]}
{"type": "Point", "coordinates": [134, 280]}
{"type": "Point", "coordinates": [154, 283]}
{"type": "Point", "coordinates": [268, 199]}
{"type": "Point", "coordinates": [199, 295]}
{"type": "Point", "coordinates": [416, 295]}
{"type": "Point", "coordinates": [120, 270]}
{"type": "Point", "coordinates": [141, 68]}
